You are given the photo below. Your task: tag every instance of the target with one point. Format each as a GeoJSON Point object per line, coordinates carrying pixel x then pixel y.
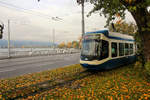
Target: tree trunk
{"type": "Point", "coordinates": [146, 45]}
{"type": "Point", "coordinates": [142, 18]}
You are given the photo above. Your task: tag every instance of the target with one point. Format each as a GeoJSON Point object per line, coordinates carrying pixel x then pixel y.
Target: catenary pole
{"type": "Point", "coordinates": [8, 38]}
{"type": "Point", "coordinates": [53, 38]}
{"type": "Point", "coordinates": [83, 21]}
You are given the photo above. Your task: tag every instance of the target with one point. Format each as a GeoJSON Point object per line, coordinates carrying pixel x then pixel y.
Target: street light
{"type": "Point", "coordinates": [55, 19]}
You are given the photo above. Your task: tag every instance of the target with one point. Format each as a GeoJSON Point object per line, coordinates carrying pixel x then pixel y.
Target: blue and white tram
{"type": "Point", "coordinates": [106, 50]}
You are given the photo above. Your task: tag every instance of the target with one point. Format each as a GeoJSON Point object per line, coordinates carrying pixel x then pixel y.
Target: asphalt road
{"type": "Point", "coordinates": [20, 66]}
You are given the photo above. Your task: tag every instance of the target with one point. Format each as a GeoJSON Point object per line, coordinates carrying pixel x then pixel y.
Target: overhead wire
{"type": "Point", "coordinates": [7, 5]}
{"type": "Point", "coordinates": [28, 11]}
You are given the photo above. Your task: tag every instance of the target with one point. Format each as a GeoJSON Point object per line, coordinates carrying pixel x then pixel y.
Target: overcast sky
{"type": "Point", "coordinates": [32, 20]}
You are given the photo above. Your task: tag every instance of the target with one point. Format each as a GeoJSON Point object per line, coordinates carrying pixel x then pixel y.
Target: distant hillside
{"type": "Point", "coordinates": [17, 43]}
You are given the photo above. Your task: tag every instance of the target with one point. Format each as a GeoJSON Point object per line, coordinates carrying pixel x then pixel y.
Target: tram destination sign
{"type": "Point", "coordinates": [92, 37]}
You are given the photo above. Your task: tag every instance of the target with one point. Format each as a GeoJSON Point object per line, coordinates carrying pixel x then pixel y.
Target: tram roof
{"type": "Point", "coordinates": [113, 35]}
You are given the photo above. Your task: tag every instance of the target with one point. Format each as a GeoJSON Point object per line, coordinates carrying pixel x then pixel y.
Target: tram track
{"type": "Point", "coordinates": [46, 85]}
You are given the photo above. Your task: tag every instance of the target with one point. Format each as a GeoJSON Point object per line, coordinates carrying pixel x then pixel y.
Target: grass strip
{"type": "Point", "coordinates": [74, 82]}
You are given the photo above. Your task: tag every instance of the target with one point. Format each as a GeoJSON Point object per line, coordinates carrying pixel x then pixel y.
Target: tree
{"type": "Point", "coordinates": [125, 28]}
{"type": "Point", "coordinates": [69, 45]}
{"type": "Point", "coordinates": [75, 44]}
{"type": "Point", "coordinates": [62, 45]}
{"type": "Point", "coordinates": [137, 8]}
{"type": "Point", "coordinates": [80, 42]}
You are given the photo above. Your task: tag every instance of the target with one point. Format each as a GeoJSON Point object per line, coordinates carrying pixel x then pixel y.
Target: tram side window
{"type": "Point", "coordinates": [121, 49]}
{"type": "Point", "coordinates": [105, 49]}
{"type": "Point", "coordinates": [126, 49]}
{"type": "Point", "coordinates": [114, 49]}
{"type": "Point", "coordinates": [131, 48]}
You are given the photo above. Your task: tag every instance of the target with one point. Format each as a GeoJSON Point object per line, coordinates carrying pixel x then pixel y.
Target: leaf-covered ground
{"type": "Point", "coordinates": [74, 82]}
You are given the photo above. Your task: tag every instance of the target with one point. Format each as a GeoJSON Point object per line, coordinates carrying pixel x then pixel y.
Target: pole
{"type": "Point", "coordinates": [8, 38]}
{"type": "Point", "coordinates": [83, 24]}
{"type": "Point", "coordinates": [53, 38]}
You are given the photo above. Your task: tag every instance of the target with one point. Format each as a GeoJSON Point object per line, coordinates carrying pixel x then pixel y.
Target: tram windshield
{"type": "Point", "coordinates": [94, 49]}
{"type": "Point", "coordinates": [90, 47]}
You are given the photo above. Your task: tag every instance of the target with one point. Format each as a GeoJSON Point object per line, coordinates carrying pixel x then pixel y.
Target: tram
{"type": "Point", "coordinates": [106, 50]}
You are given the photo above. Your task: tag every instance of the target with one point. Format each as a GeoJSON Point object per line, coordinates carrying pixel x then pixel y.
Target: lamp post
{"type": "Point", "coordinates": [53, 31]}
